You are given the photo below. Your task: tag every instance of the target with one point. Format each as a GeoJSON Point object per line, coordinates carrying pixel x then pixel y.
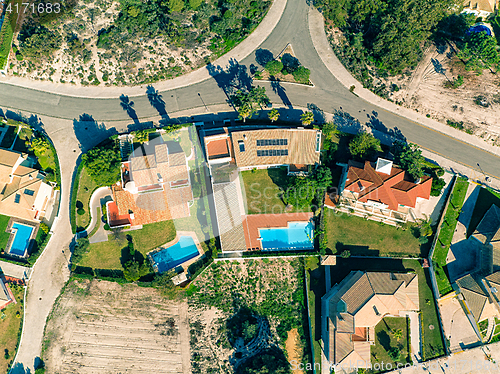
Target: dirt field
{"type": "Point", "coordinates": [475, 105]}
{"type": "Point", "coordinates": [425, 92]}
{"type": "Point", "coordinates": [269, 288]}
{"type": "Point", "coordinates": [103, 327]}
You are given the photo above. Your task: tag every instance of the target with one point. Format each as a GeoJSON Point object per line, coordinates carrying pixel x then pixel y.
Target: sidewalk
{"type": "Point", "coordinates": [322, 46]}
{"type": "Point", "coordinates": [242, 50]}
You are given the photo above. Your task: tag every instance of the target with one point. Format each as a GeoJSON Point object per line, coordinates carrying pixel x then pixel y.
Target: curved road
{"type": "Point", "coordinates": [60, 115]}
{"type": "Point", "coordinates": [328, 94]}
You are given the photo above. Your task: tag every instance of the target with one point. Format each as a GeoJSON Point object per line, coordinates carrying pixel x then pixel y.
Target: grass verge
{"type": "Point", "coordinates": [85, 189]}
{"type": "Point", "coordinates": [316, 290]}
{"type": "Point", "coordinates": [11, 320]}
{"type": "Point", "coordinates": [446, 232]}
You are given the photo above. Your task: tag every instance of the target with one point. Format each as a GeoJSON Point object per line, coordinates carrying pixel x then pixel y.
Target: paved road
{"type": "Point", "coordinates": [328, 94]}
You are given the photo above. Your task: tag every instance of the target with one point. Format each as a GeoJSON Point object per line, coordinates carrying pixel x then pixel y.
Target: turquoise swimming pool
{"type": "Point", "coordinates": [185, 249]}
{"type": "Point", "coordinates": [21, 240]}
{"type": "Point", "coordinates": [298, 235]}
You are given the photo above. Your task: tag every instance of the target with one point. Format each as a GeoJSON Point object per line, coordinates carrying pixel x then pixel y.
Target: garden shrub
{"type": "Point", "coordinates": [301, 75]}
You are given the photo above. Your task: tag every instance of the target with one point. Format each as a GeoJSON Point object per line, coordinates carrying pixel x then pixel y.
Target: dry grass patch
{"type": "Point", "coordinates": [103, 327]}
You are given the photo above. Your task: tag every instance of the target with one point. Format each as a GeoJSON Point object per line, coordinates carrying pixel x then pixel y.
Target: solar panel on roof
{"type": "Point", "coordinates": [268, 142]}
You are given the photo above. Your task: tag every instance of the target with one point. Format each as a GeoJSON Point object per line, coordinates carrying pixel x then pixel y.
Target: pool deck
{"type": "Point", "coordinates": [13, 220]}
{"type": "Point", "coordinates": [185, 265]}
{"type": "Point", "coordinates": [253, 222]}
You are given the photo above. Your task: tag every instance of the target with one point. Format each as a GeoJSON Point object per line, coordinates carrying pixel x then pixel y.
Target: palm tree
{"type": "Point", "coordinates": [425, 226]}
{"type": "Point", "coordinates": [307, 118]}
{"type": "Point", "coordinates": [274, 115]}
{"type": "Point", "coordinates": [398, 334]}
{"type": "Point", "coordinates": [245, 112]}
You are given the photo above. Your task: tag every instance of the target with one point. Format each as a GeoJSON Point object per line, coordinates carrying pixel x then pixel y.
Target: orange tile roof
{"type": "Point", "coordinates": [217, 147]}
{"type": "Point", "coordinates": [114, 217]}
{"type": "Point", "coordinates": [147, 208]}
{"type": "Point", "coordinates": [390, 189]}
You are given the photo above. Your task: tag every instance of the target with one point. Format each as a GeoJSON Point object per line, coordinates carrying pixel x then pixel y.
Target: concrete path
{"type": "Point", "coordinates": [51, 270]}
{"type": "Point", "coordinates": [415, 335]}
{"type": "Point", "coordinates": [14, 270]}
{"type": "Point", "coordinates": [491, 329]}
{"type": "Point", "coordinates": [472, 361]}
{"type": "Point", "coordinates": [98, 198]}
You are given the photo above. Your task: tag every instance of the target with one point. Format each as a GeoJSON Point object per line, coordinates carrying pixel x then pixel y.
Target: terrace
{"type": "Point", "coordinates": [252, 224]}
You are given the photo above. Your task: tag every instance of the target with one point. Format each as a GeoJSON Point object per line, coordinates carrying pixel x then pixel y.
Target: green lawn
{"type": "Point", "coordinates": [181, 136]}
{"type": "Point", "coordinates": [446, 235]}
{"type": "Point", "coordinates": [106, 255]}
{"type": "Point", "coordinates": [385, 341]}
{"type": "Point", "coordinates": [485, 200]}
{"type": "Point", "coordinates": [47, 159]}
{"type": "Point", "coordinates": [86, 186]}
{"type": "Point", "coordinates": [432, 341]}
{"type": "Point", "coordinates": [198, 221]}
{"type": "Point", "coordinates": [263, 190]}
{"type": "Point", "coordinates": [365, 237]}
{"type": "Point", "coordinates": [10, 327]}
{"type": "Point", "coordinates": [316, 283]}
{"type": "Point", "coordinates": [24, 135]}
{"type": "Point", "coordinates": [4, 236]}
{"type": "Point", "coordinates": [7, 32]}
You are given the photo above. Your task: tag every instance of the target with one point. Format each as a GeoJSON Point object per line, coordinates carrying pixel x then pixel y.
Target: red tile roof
{"type": "Point", "coordinates": [390, 189]}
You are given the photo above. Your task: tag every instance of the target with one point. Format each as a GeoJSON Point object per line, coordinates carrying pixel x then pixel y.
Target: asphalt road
{"type": "Point", "coordinates": [328, 94]}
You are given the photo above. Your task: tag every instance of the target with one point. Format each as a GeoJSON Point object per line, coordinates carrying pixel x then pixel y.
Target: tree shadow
{"type": "Point", "coordinates": [232, 78]}
{"type": "Point", "coordinates": [19, 368]}
{"type": "Point", "coordinates": [281, 92]}
{"type": "Point", "coordinates": [384, 340]}
{"type": "Point", "coordinates": [89, 132]}
{"type": "Point", "coordinates": [438, 67]}
{"type": "Point", "coordinates": [319, 115]}
{"type": "Point", "coordinates": [386, 135]}
{"type": "Point", "coordinates": [128, 106]}
{"type": "Point", "coordinates": [156, 101]}
{"type": "Point", "coordinates": [263, 56]}
{"type": "Point", "coordinates": [346, 122]}
{"type": "Point", "coordinates": [356, 250]}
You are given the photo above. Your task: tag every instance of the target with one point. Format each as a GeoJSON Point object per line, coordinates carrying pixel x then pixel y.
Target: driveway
{"type": "Point", "coordinates": [456, 325]}
{"type": "Point", "coordinates": [98, 199]}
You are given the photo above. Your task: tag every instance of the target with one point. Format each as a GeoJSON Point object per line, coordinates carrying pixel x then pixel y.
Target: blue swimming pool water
{"type": "Point", "coordinates": [21, 239]}
{"type": "Point", "coordinates": [298, 235]}
{"type": "Point", "coordinates": [185, 249]}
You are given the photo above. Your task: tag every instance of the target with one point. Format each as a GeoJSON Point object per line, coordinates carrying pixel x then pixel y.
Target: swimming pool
{"type": "Point", "coordinates": [185, 249]}
{"type": "Point", "coordinates": [21, 240]}
{"type": "Point", "coordinates": [298, 235]}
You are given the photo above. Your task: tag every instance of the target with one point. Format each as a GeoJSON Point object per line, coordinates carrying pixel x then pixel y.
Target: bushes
{"type": "Point", "coordinates": [103, 164]}
{"type": "Point", "coordinates": [437, 186]}
{"type": "Point", "coordinates": [301, 75]}
{"type": "Point", "coordinates": [274, 67]}
{"type": "Point", "coordinates": [290, 63]}
{"type": "Point", "coordinates": [6, 35]}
